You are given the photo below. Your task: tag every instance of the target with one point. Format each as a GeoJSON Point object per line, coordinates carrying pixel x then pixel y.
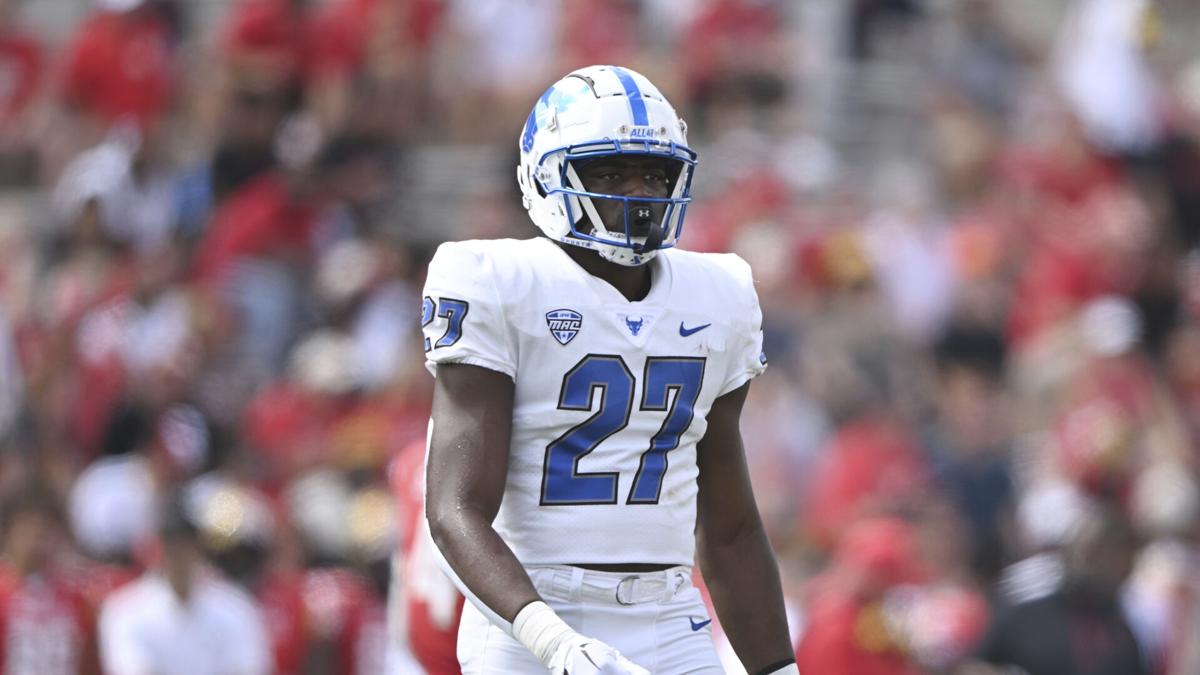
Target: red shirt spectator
{"type": "Point", "coordinates": [432, 605]}
{"type": "Point", "coordinates": [1054, 282]}
{"type": "Point", "coordinates": [119, 67]}
{"type": "Point", "coordinates": [870, 465]}
{"type": "Point", "coordinates": [847, 630]}
{"type": "Point", "coordinates": [347, 32]}
{"type": "Point", "coordinates": [22, 66]}
{"type": "Point", "coordinates": [374, 429]}
{"type": "Point", "coordinates": [93, 581]}
{"type": "Point", "coordinates": [599, 31]}
{"type": "Point", "coordinates": [291, 426]}
{"type": "Point", "coordinates": [44, 627]}
{"type": "Point", "coordinates": [285, 425]}
{"type": "Point", "coordinates": [269, 36]}
{"type": "Point", "coordinates": [337, 604]}
{"type": "Point", "coordinates": [260, 220]}
{"type": "Point", "coordinates": [727, 39]}
{"type": "Point", "coordinates": [848, 636]}
{"type": "Point", "coordinates": [282, 598]}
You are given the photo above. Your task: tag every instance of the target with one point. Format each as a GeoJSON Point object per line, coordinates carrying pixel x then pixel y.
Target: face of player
{"type": "Point", "coordinates": [628, 176]}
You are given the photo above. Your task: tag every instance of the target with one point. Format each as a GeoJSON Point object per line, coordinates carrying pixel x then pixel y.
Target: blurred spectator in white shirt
{"type": "Point", "coordinates": [182, 618]}
{"type": "Point", "coordinates": [516, 38]}
{"type": "Point", "coordinates": [1101, 65]}
{"type": "Point", "coordinates": [111, 504]}
{"type": "Point", "coordinates": [135, 190]}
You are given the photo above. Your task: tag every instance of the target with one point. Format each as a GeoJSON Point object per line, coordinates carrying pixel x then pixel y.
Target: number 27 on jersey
{"type": "Point", "coordinates": [608, 375]}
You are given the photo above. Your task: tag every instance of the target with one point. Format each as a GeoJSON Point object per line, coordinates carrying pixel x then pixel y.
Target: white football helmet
{"type": "Point", "coordinates": [595, 112]}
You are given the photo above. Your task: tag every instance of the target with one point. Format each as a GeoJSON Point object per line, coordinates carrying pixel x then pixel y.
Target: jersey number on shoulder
{"type": "Point", "coordinates": [454, 311]}
{"type": "Point", "coordinates": [608, 375]}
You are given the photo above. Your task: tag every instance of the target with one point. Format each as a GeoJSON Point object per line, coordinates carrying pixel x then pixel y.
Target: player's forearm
{"type": "Point", "coordinates": [481, 560]}
{"type": "Point", "coordinates": [743, 580]}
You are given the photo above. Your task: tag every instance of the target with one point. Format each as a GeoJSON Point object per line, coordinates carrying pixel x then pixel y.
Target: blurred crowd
{"type": "Point", "coordinates": [974, 226]}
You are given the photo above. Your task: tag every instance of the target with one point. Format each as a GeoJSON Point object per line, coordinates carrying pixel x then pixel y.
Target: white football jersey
{"type": "Point", "coordinates": [611, 395]}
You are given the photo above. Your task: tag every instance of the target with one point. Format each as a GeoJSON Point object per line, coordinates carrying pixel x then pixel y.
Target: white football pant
{"type": "Point", "coordinates": [656, 620]}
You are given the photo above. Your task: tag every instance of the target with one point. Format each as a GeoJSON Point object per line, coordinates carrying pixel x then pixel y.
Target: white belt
{"type": "Point", "coordinates": [573, 584]}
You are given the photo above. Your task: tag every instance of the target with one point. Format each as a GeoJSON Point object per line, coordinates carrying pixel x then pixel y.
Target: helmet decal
{"type": "Point", "coordinates": [636, 105]}
{"type": "Point", "coordinates": [553, 101]}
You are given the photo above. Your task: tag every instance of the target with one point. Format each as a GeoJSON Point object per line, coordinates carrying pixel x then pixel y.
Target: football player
{"type": "Point", "coordinates": [584, 448]}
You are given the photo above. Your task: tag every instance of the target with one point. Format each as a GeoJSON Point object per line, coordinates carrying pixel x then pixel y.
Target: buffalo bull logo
{"type": "Point", "coordinates": [564, 324]}
{"type": "Point", "coordinates": [635, 325]}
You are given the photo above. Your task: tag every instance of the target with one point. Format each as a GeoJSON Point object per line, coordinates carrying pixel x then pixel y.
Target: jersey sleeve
{"type": "Point", "coordinates": [746, 358]}
{"type": "Point", "coordinates": [462, 316]}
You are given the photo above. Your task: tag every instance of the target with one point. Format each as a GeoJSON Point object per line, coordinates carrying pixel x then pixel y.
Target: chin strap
{"type": "Point", "coordinates": [654, 238]}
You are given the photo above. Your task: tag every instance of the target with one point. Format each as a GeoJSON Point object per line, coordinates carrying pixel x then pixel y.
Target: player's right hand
{"type": "Point", "coordinates": [584, 656]}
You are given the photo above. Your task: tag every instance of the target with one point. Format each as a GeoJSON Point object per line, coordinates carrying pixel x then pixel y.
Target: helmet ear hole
{"type": "Point", "coordinates": [526, 177]}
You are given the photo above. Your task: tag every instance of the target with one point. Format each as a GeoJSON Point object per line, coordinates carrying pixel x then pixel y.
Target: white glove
{"type": "Point", "coordinates": [585, 656]}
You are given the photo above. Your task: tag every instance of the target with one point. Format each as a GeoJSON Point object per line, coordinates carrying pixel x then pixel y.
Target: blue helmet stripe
{"type": "Point", "coordinates": [636, 104]}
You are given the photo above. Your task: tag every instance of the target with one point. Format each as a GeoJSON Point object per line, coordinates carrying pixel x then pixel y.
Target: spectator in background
{"type": "Point", "coordinates": [735, 53]}
{"type": "Point", "coordinates": [371, 68]}
{"type": "Point", "coordinates": [514, 37]}
{"type": "Point", "coordinates": [1181, 158]}
{"type": "Point", "coordinates": [347, 536]}
{"type": "Point", "coordinates": [255, 256]}
{"type": "Point", "coordinates": [847, 628]}
{"type": "Point", "coordinates": [251, 257]}
{"type": "Point", "coordinates": [266, 50]}
{"type": "Point", "coordinates": [119, 66]}
{"type": "Point", "coordinates": [871, 465]}
{"type": "Point", "coordinates": [182, 618]}
{"type": "Point", "coordinates": [984, 59]}
{"type": "Point", "coordinates": [1078, 629]}
{"type": "Point", "coordinates": [111, 504]}
{"type": "Point", "coordinates": [23, 60]}
{"type": "Point", "coordinates": [968, 440]}
{"type": "Point", "coordinates": [1102, 68]}
{"type": "Point", "coordinates": [23, 66]}
{"type": "Point", "coordinates": [46, 628]}
{"type": "Point", "coordinates": [372, 524]}
{"type": "Point", "coordinates": [257, 552]}
{"type": "Point", "coordinates": [904, 238]}
{"type": "Point", "coordinates": [135, 189]}
{"type": "Point", "coordinates": [267, 44]}
{"type": "Point", "coordinates": [80, 270]}
{"type": "Point", "coordinates": [426, 605]}
{"type": "Point", "coordinates": [599, 31]}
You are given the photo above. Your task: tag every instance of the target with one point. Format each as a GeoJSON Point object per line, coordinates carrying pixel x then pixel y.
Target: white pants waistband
{"type": "Point", "coordinates": [573, 584]}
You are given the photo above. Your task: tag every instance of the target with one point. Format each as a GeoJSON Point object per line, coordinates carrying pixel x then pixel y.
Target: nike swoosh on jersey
{"type": "Point", "coordinates": [684, 332]}
{"type": "Point", "coordinates": [698, 625]}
